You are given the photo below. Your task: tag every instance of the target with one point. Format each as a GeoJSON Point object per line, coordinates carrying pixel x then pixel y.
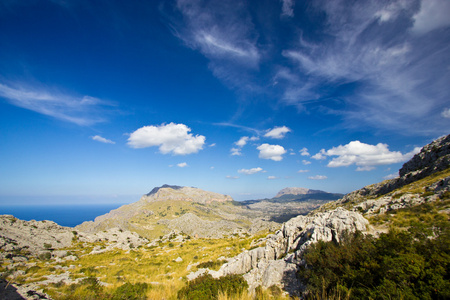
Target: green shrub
{"type": "Point", "coordinates": [399, 264]}
{"type": "Point", "coordinates": [130, 291]}
{"type": "Point", "coordinates": [45, 256]}
{"type": "Point", "coordinates": [211, 264]}
{"type": "Point", "coordinates": [208, 288]}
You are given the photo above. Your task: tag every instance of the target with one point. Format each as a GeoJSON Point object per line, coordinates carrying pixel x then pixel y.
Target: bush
{"type": "Point", "coordinates": [399, 264]}
{"type": "Point", "coordinates": [208, 288]}
{"type": "Point", "coordinates": [130, 291]}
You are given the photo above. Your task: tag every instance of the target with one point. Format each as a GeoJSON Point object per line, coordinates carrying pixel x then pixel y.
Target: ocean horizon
{"type": "Point", "coordinates": [69, 215]}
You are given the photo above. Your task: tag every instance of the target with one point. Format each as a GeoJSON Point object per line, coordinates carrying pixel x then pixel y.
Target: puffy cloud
{"type": "Point", "coordinates": [304, 152]}
{"type": "Point", "coordinates": [320, 155]}
{"type": "Point", "coordinates": [236, 151]}
{"type": "Point", "coordinates": [302, 171]}
{"type": "Point", "coordinates": [306, 162]}
{"type": "Point", "coordinates": [102, 139]}
{"type": "Point", "coordinates": [446, 113]}
{"type": "Point", "coordinates": [271, 177]}
{"type": "Point", "coordinates": [231, 177]}
{"type": "Point", "coordinates": [242, 141]}
{"type": "Point", "coordinates": [182, 165]}
{"type": "Point", "coordinates": [170, 138]}
{"type": "Point", "coordinates": [250, 171]}
{"type": "Point", "coordinates": [277, 132]}
{"type": "Point", "coordinates": [363, 155]}
{"type": "Point", "coordinates": [273, 152]}
{"type": "Point", "coordinates": [318, 177]}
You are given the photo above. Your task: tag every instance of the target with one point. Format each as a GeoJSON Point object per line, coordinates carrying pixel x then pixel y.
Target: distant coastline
{"type": "Point", "coordinates": [68, 215]}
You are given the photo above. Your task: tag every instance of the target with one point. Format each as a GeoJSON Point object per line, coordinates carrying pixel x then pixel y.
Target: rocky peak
{"type": "Point", "coordinates": [432, 158]}
{"type": "Point", "coordinates": [168, 186]}
{"type": "Point", "coordinates": [296, 191]}
{"type": "Point", "coordinates": [177, 193]}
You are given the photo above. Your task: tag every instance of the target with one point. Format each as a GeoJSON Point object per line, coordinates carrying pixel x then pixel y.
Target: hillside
{"type": "Point", "coordinates": [192, 211]}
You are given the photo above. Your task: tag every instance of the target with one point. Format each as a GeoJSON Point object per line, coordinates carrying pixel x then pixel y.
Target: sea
{"type": "Point", "coordinates": [64, 215]}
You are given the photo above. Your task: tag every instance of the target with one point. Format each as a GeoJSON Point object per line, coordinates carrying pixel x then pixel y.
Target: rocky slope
{"type": "Point", "coordinates": [423, 179]}
{"type": "Point", "coordinates": [190, 210]}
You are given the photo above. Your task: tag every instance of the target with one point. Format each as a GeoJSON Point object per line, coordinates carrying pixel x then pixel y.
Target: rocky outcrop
{"type": "Point", "coordinates": [277, 263]}
{"type": "Point", "coordinates": [40, 237]}
{"type": "Point", "coordinates": [32, 236]}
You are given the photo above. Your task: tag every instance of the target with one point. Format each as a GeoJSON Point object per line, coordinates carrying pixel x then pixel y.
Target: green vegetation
{"type": "Point", "coordinates": [413, 264]}
{"type": "Point", "coordinates": [208, 288]}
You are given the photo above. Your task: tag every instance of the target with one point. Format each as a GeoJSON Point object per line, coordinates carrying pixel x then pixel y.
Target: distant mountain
{"type": "Point", "coordinates": [291, 202]}
{"type": "Point", "coordinates": [190, 210]}
{"type": "Point", "coordinates": [297, 191]}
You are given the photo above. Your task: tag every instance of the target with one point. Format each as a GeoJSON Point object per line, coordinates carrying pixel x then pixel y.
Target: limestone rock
{"type": "Point", "coordinates": [278, 262]}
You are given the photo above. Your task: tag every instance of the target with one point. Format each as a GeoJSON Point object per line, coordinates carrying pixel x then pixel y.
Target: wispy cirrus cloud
{"type": "Point", "coordinates": [223, 32]}
{"type": "Point", "coordinates": [81, 110]}
{"type": "Point", "coordinates": [101, 139]}
{"type": "Point", "coordinates": [375, 57]}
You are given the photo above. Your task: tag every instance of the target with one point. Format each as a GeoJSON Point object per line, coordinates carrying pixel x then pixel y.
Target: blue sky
{"type": "Point", "coordinates": [101, 101]}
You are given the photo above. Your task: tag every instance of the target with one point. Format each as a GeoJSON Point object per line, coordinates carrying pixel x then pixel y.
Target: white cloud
{"type": "Point", "coordinates": [251, 171]}
{"type": "Point", "coordinates": [182, 165]}
{"type": "Point", "coordinates": [273, 152]}
{"type": "Point", "coordinates": [231, 177]}
{"type": "Point", "coordinates": [391, 176]}
{"type": "Point", "coordinates": [212, 145]}
{"type": "Point", "coordinates": [446, 113]}
{"type": "Point", "coordinates": [320, 155]}
{"type": "Point", "coordinates": [242, 141]}
{"type": "Point", "coordinates": [83, 111]}
{"type": "Point", "coordinates": [400, 82]}
{"type": "Point", "coordinates": [102, 139]}
{"type": "Point", "coordinates": [277, 132]}
{"type": "Point", "coordinates": [304, 152]}
{"type": "Point", "coordinates": [318, 177]}
{"type": "Point", "coordinates": [433, 14]}
{"type": "Point", "coordinates": [306, 162]}
{"type": "Point", "coordinates": [170, 138]}
{"type": "Point", "coordinates": [287, 8]}
{"type": "Point", "coordinates": [271, 177]}
{"type": "Point", "coordinates": [302, 171]}
{"type": "Point", "coordinates": [236, 151]}
{"type": "Point", "coordinates": [365, 156]}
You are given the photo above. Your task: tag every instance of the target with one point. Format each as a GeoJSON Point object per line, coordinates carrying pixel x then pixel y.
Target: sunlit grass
{"type": "Point", "coordinates": [159, 266]}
